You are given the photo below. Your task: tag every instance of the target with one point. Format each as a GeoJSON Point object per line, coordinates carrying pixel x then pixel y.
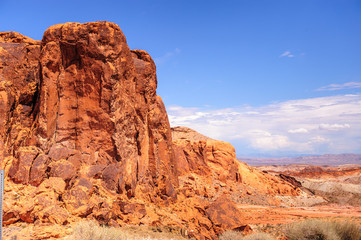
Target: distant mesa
{"type": "Point", "coordinates": [326, 159]}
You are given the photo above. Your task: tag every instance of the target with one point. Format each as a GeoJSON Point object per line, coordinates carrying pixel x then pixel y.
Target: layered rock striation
{"type": "Point", "coordinates": [83, 134]}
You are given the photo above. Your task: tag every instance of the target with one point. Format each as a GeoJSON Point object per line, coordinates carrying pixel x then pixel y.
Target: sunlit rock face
{"type": "Point", "coordinates": [86, 101]}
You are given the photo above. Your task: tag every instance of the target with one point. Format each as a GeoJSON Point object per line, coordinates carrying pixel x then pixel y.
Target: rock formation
{"type": "Point", "coordinates": [84, 135]}
{"type": "Point", "coordinates": [214, 164]}
{"type": "Point", "coordinates": [89, 107]}
{"type": "Point", "coordinates": [335, 184]}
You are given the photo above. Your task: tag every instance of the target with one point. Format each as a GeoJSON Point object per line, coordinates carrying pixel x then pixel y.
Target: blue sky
{"type": "Point", "coordinates": [274, 78]}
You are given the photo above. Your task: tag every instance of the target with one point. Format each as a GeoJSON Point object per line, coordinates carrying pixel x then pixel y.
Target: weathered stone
{"type": "Point", "coordinates": [55, 184]}
{"type": "Point", "coordinates": [53, 214]}
{"type": "Point", "coordinates": [10, 214]}
{"type": "Point", "coordinates": [19, 82]}
{"type": "Point", "coordinates": [20, 169]}
{"type": "Point", "coordinates": [224, 215]}
{"type": "Point", "coordinates": [27, 212]}
{"type": "Point", "coordinates": [77, 201]}
{"type": "Point", "coordinates": [63, 169]}
{"type": "Point", "coordinates": [204, 156]}
{"type": "Point", "coordinates": [84, 182]}
{"type": "Point", "coordinates": [136, 209]}
{"type": "Point", "coordinates": [38, 170]}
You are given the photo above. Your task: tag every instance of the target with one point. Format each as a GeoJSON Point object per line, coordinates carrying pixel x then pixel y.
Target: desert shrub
{"type": "Point", "coordinates": [314, 229]}
{"type": "Point", "coordinates": [233, 235]}
{"type": "Point", "coordinates": [348, 230]}
{"type": "Point", "coordinates": [259, 236]}
{"type": "Point", "coordinates": [90, 230]}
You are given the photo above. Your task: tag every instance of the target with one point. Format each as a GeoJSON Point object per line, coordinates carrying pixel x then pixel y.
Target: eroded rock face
{"type": "Point", "coordinates": [19, 83]}
{"type": "Point", "coordinates": [215, 162]}
{"type": "Point", "coordinates": [84, 99]}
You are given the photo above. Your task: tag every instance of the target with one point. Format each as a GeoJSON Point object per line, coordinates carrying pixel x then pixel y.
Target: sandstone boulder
{"type": "Point", "coordinates": [225, 215]}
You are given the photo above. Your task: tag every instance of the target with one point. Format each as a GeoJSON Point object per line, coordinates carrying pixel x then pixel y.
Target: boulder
{"type": "Point", "coordinates": [224, 215]}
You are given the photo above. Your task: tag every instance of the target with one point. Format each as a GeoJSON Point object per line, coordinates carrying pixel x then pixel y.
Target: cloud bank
{"type": "Point", "coordinates": [305, 126]}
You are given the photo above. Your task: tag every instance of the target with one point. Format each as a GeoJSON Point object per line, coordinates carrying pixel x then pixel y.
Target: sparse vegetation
{"type": "Point", "coordinates": [315, 229]}
{"type": "Point", "coordinates": [233, 235]}
{"type": "Point", "coordinates": [311, 229]}
{"type": "Point", "coordinates": [348, 230]}
{"type": "Point", "coordinates": [92, 231]}
{"type": "Point", "coordinates": [230, 235]}
{"type": "Point", "coordinates": [259, 236]}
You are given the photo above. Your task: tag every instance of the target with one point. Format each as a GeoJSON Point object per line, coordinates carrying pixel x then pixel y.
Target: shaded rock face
{"type": "Point", "coordinates": [19, 83]}
{"type": "Point", "coordinates": [84, 100]}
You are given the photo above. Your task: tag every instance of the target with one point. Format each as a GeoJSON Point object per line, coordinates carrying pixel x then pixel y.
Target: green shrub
{"type": "Point", "coordinates": [314, 229]}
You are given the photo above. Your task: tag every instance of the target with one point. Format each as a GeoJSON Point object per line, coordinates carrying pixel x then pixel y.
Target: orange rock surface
{"type": "Point", "coordinates": [84, 135]}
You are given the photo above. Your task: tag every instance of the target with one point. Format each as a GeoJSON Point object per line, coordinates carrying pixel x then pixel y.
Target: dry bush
{"type": "Point", "coordinates": [233, 235]}
{"type": "Point", "coordinates": [348, 230]}
{"type": "Point", "coordinates": [314, 229]}
{"type": "Point", "coordinates": [259, 236]}
{"type": "Point", "coordinates": [90, 230]}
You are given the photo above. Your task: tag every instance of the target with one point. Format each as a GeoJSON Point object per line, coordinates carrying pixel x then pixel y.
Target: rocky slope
{"type": "Point", "coordinates": [214, 163]}
{"type": "Point", "coordinates": [336, 184]}
{"type": "Point", "coordinates": [84, 135]}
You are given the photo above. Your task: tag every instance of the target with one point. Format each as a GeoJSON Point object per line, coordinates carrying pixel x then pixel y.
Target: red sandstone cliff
{"type": "Point", "coordinates": [84, 135]}
{"type": "Point", "coordinates": [89, 107]}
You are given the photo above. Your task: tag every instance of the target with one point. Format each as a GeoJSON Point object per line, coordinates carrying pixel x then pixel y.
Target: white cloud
{"type": "Point", "coordinates": [265, 141]}
{"type": "Point", "coordinates": [333, 127]}
{"type": "Point", "coordinates": [259, 132]}
{"type": "Point", "coordinates": [319, 139]}
{"type": "Point", "coordinates": [333, 87]}
{"type": "Point", "coordinates": [304, 125]}
{"type": "Point", "coordinates": [298, 130]}
{"type": "Point", "coordinates": [167, 56]}
{"type": "Point", "coordinates": [287, 54]}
